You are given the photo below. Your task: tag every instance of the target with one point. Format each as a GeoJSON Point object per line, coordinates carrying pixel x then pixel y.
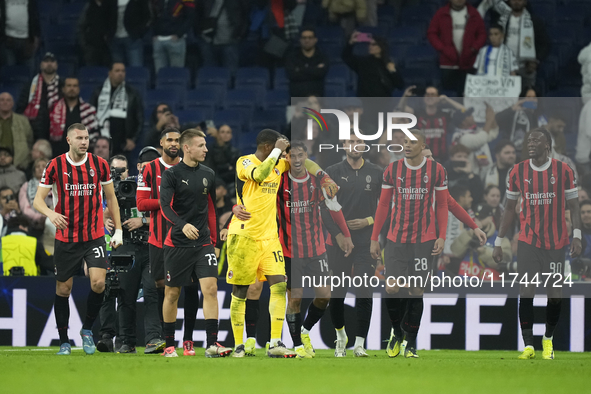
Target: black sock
{"type": "Point", "coordinates": [160, 292]}
{"type": "Point", "coordinates": [363, 308]}
{"type": "Point", "coordinates": [294, 322]}
{"type": "Point", "coordinates": [191, 307]}
{"type": "Point", "coordinates": [394, 307]}
{"type": "Point", "coordinates": [211, 330]}
{"type": "Point", "coordinates": [412, 319]}
{"type": "Point", "coordinates": [337, 312]}
{"type": "Point", "coordinates": [313, 317]}
{"type": "Point", "coordinates": [552, 315]}
{"type": "Point", "coordinates": [62, 317]}
{"type": "Point", "coordinates": [526, 320]}
{"type": "Point", "coordinates": [169, 334]}
{"type": "Point", "coordinates": [93, 306]}
{"type": "Point", "coordinates": [251, 318]}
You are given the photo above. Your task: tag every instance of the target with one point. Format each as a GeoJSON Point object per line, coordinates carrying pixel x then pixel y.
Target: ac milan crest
{"type": "Point", "coordinates": [91, 172]}
{"type": "Point", "coordinates": [426, 179]}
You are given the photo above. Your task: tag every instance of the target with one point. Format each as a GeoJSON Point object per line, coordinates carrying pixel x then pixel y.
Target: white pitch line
{"type": "Point", "coordinates": [33, 350]}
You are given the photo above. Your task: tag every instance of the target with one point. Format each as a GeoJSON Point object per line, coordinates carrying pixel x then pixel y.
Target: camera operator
{"type": "Point", "coordinates": [135, 237]}
{"type": "Point", "coordinates": [8, 207]}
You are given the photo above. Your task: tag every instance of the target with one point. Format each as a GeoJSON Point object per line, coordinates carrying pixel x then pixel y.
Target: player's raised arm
{"type": "Point", "coordinates": [328, 185]}
{"type": "Point", "coordinates": [247, 170]}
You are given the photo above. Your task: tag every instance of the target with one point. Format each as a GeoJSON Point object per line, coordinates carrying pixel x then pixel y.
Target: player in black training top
{"type": "Point", "coordinates": [187, 193]}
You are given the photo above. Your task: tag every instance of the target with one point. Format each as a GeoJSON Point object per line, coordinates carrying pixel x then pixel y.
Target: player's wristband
{"type": "Point", "coordinates": [275, 153]}
{"type": "Point", "coordinates": [577, 233]}
{"type": "Point", "coordinates": [369, 220]}
{"type": "Point", "coordinates": [499, 241]}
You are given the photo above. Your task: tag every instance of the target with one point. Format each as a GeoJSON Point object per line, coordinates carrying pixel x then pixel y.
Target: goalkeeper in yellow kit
{"type": "Point", "coordinates": [254, 250]}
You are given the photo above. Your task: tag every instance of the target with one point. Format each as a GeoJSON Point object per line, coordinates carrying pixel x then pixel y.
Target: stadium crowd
{"type": "Point", "coordinates": [99, 71]}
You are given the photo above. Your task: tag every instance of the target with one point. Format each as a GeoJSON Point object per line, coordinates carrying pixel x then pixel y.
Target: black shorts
{"type": "Point", "coordinates": [313, 267]}
{"type": "Point", "coordinates": [406, 259]}
{"type": "Point", "coordinates": [156, 263]}
{"type": "Point", "coordinates": [68, 257]}
{"type": "Point", "coordinates": [532, 260]}
{"type": "Point", "coordinates": [358, 264]}
{"type": "Point", "coordinates": [184, 266]}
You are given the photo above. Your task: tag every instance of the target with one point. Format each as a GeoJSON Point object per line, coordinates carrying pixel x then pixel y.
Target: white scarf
{"type": "Point", "coordinates": [111, 107]}
{"type": "Point", "coordinates": [527, 44]}
{"type": "Point", "coordinates": [501, 66]}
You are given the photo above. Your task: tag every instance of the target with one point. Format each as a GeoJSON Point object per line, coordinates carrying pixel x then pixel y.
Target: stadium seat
{"type": "Point", "coordinates": [339, 73]}
{"type": "Point", "coordinates": [245, 97]}
{"type": "Point", "coordinates": [276, 99]}
{"type": "Point", "coordinates": [60, 33]}
{"type": "Point", "coordinates": [93, 74]}
{"type": "Point", "coordinates": [272, 119]}
{"type": "Point", "coordinates": [15, 74]}
{"type": "Point", "coordinates": [246, 76]}
{"type": "Point", "coordinates": [138, 76]}
{"type": "Point", "coordinates": [213, 76]}
{"type": "Point", "coordinates": [13, 90]}
{"type": "Point", "coordinates": [66, 69]}
{"type": "Point", "coordinates": [416, 14]}
{"type": "Point", "coordinates": [330, 34]}
{"type": "Point", "coordinates": [280, 80]}
{"type": "Point", "coordinates": [193, 116]}
{"type": "Point", "coordinates": [173, 76]}
{"type": "Point", "coordinates": [572, 13]}
{"type": "Point", "coordinates": [333, 51]}
{"type": "Point", "coordinates": [169, 96]}
{"type": "Point", "coordinates": [420, 56]}
{"type": "Point", "coordinates": [208, 94]}
{"type": "Point", "coordinates": [86, 91]}
{"type": "Point", "coordinates": [565, 92]}
{"type": "Point", "coordinates": [229, 116]}
{"type": "Point", "coordinates": [334, 89]}
{"type": "Point", "coordinates": [407, 35]}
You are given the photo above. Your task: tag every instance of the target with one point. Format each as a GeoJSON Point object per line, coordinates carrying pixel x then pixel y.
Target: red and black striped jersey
{"type": "Point", "coordinates": [148, 197]}
{"type": "Point", "coordinates": [544, 191]}
{"type": "Point", "coordinates": [435, 129]}
{"type": "Point", "coordinates": [298, 216]}
{"type": "Point", "coordinates": [413, 195]}
{"type": "Point", "coordinates": [77, 191]}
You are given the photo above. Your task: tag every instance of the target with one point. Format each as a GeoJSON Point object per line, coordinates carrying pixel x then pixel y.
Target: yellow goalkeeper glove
{"type": "Point", "coordinates": [328, 185]}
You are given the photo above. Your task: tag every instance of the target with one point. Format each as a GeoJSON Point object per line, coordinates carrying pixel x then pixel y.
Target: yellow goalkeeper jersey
{"type": "Point", "coordinates": [259, 196]}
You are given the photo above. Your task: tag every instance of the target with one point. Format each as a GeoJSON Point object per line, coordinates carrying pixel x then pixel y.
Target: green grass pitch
{"type": "Point", "coordinates": [39, 370]}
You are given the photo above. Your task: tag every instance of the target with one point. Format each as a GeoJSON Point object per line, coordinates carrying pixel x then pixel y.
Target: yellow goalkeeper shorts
{"type": "Point", "coordinates": [249, 259]}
